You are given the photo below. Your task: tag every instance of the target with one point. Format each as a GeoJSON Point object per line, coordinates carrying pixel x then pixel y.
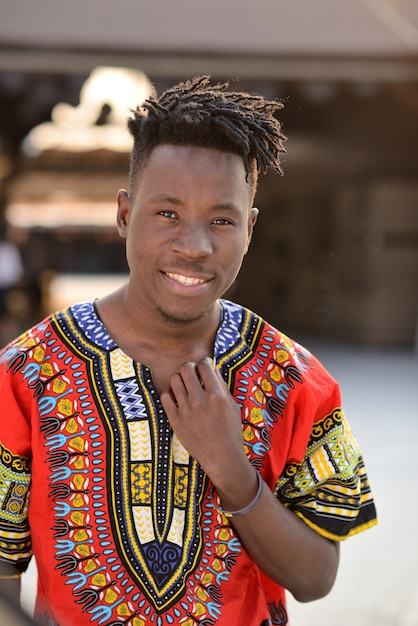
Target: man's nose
{"type": "Point", "coordinates": [193, 240]}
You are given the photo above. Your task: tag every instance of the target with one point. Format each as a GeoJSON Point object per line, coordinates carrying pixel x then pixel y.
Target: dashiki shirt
{"type": "Point", "coordinates": [94, 483]}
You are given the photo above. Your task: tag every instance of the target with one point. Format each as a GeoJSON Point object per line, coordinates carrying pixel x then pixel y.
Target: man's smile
{"type": "Point", "coordinates": [188, 281]}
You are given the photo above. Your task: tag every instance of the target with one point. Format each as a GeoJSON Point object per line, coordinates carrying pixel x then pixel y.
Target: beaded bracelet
{"type": "Point", "coordinates": [246, 508]}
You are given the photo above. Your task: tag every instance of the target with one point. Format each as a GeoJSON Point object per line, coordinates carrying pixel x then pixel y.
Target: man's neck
{"type": "Point", "coordinates": [155, 332]}
{"type": "Point", "coordinates": [161, 345]}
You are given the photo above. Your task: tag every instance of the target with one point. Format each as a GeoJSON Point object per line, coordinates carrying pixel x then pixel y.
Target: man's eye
{"type": "Point", "coordinates": [169, 214]}
{"type": "Point", "coordinates": [221, 221]}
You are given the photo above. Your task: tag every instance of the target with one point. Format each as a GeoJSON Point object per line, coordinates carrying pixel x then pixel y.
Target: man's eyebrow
{"type": "Point", "coordinates": [227, 206]}
{"type": "Point", "coordinates": [165, 197]}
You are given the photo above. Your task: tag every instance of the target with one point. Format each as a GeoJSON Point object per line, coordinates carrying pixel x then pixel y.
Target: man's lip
{"type": "Point", "coordinates": [188, 281]}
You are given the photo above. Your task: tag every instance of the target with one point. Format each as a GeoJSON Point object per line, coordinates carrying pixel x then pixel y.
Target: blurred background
{"type": "Point", "coordinates": [334, 259]}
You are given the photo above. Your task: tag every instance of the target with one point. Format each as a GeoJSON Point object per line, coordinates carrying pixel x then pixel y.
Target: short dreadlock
{"type": "Point", "coordinates": [200, 114]}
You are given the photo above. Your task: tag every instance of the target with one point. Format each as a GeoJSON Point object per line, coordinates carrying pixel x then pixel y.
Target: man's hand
{"type": "Point", "coordinates": [206, 418]}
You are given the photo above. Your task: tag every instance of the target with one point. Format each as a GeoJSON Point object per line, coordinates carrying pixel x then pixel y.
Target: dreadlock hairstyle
{"type": "Point", "coordinates": [200, 114]}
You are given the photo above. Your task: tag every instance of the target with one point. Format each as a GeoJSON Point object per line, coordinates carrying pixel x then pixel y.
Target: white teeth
{"type": "Point", "coordinates": [186, 280]}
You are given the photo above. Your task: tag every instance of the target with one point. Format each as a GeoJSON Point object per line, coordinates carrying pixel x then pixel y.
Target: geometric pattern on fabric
{"type": "Point", "coordinates": [141, 481]}
{"type": "Point", "coordinates": [328, 488]}
{"type": "Point", "coordinates": [15, 478]}
{"type": "Point", "coordinates": [153, 476]}
{"type": "Point", "coordinates": [131, 402]}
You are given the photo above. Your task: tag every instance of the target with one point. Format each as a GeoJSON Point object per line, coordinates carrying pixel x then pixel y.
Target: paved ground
{"type": "Point", "coordinates": [378, 579]}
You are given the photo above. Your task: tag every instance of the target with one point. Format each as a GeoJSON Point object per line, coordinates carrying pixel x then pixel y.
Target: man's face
{"type": "Point", "coordinates": [187, 230]}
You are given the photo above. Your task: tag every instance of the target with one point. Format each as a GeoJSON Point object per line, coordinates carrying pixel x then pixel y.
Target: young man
{"type": "Point", "coordinates": [186, 461]}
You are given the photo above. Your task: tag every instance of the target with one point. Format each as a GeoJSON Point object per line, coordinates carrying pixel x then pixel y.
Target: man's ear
{"type": "Point", "coordinates": [124, 210]}
{"type": "Point", "coordinates": [252, 218]}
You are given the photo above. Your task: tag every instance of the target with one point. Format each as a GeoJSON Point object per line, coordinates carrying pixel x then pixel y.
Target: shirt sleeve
{"type": "Point", "coordinates": [329, 489]}
{"type": "Point", "coordinates": [15, 469]}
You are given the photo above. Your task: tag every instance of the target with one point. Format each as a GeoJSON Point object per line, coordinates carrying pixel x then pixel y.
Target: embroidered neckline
{"type": "Point", "coordinates": [88, 319]}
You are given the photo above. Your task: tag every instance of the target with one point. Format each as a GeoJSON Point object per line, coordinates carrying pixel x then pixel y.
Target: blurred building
{"type": "Point", "coordinates": [335, 250]}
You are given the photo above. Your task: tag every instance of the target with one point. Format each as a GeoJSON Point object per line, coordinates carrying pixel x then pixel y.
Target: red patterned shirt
{"type": "Point", "coordinates": [119, 516]}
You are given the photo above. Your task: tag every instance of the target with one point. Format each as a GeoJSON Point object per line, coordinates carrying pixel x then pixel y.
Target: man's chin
{"type": "Point", "coordinates": [181, 317]}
